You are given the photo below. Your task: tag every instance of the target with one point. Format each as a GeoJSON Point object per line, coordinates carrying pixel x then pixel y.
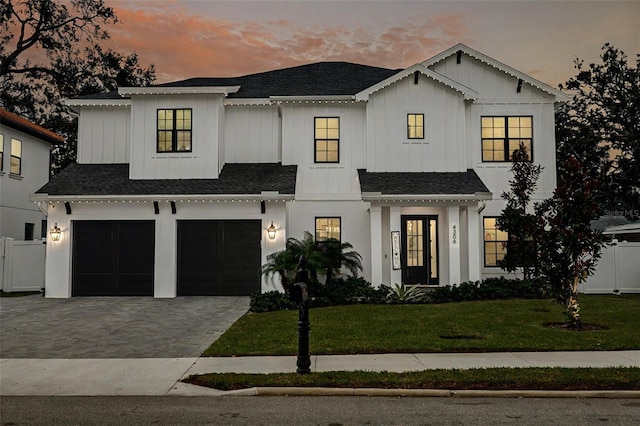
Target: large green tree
{"type": "Point", "coordinates": [517, 218]}
{"type": "Point", "coordinates": [52, 50]}
{"type": "Point", "coordinates": [600, 127]}
{"type": "Point", "coordinates": [569, 248]}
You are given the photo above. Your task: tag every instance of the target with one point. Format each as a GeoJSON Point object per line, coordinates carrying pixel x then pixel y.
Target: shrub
{"type": "Point", "coordinates": [341, 291]}
{"type": "Point", "coordinates": [489, 289]}
{"type": "Point", "coordinates": [270, 301]}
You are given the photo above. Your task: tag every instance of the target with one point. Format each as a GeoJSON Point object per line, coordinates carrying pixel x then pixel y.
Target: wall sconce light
{"type": "Point", "coordinates": [271, 231]}
{"type": "Point", "coordinates": [55, 232]}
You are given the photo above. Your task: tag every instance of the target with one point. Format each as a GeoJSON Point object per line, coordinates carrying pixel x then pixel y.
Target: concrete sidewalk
{"type": "Point", "coordinates": [161, 376]}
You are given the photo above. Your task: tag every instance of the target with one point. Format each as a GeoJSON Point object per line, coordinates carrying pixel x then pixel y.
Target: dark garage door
{"type": "Point", "coordinates": [218, 257]}
{"type": "Point", "coordinates": [113, 258]}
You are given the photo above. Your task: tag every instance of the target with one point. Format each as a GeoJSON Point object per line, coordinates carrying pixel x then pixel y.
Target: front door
{"type": "Point", "coordinates": [420, 250]}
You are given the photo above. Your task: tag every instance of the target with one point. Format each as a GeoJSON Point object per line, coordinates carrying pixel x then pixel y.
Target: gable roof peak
{"type": "Point", "coordinates": [476, 55]}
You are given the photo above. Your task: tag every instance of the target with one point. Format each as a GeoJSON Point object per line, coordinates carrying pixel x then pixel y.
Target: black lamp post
{"type": "Point", "coordinates": [299, 295]}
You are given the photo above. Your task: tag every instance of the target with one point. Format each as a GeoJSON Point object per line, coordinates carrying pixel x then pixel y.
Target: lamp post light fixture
{"type": "Point", "coordinates": [55, 232]}
{"type": "Point", "coordinates": [271, 231]}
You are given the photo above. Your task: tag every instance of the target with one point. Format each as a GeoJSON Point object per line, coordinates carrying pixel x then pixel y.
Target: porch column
{"type": "Point", "coordinates": [394, 225]}
{"type": "Point", "coordinates": [375, 218]}
{"type": "Point", "coordinates": [453, 216]}
{"type": "Point", "coordinates": [473, 238]}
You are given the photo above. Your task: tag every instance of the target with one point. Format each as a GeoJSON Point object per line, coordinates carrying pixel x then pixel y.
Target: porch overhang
{"type": "Point", "coordinates": [441, 188]}
{"type": "Point", "coordinates": [447, 199]}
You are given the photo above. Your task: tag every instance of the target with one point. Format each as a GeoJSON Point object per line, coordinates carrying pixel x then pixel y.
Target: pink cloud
{"type": "Point", "coordinates": [183, 45]}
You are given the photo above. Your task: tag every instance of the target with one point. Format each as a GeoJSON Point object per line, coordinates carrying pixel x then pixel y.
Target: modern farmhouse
{"type": "Point", "coordinates": [184, 188]}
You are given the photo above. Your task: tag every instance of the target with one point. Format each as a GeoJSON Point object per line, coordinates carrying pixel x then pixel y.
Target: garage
{"type": "Point", "coordinates": [113, 258]}
{"type": "Point", "coordinates": [218, 257]}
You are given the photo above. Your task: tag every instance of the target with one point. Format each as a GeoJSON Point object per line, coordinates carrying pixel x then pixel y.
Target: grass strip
{"type": "Point", "coordinates": [480, 326]}
{"type": "Point", "coordinates": [484, 379]}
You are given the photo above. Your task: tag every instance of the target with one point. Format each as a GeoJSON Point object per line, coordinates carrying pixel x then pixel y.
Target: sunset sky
{"type": "Point", "coordinates": [231, 38]}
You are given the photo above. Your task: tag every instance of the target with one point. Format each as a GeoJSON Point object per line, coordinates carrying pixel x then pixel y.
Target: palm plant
{"type": "Point", "coordinates": [323, 257]}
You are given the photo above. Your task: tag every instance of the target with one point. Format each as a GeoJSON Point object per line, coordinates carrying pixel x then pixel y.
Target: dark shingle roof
{"type": "Point", "coordinates": [113, 179]}
{"type": "Point", "coordinates": [422, 183]}
{"type": "Point", "coordinates": [318, 79]}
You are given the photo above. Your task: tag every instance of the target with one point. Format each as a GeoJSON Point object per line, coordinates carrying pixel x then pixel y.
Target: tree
{"type": "Point", "coordinates": [52, 50]}
{"type": "Point", "coordinates": [603, 116]}
{"type": "Point", "coordinates": [322, 258]}
{"type": "Point", "coordinates": [522, 251]}
{"type": "Point", "coordinates": [569, 248]}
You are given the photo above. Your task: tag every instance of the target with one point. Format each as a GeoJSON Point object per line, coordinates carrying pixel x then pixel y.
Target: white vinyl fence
{"type": "Point", "coordinates": [618, 270]}
{"type": "Point", "coordinates": [21, 265]}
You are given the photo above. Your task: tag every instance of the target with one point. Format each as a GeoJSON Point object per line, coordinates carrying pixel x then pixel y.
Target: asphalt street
{"type": "Point", "coordinates": [316, 411]}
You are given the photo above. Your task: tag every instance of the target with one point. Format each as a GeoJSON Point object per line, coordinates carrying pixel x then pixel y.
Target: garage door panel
{"type": "Point", "coordinates": [92, 247]}
{"type": "Point", "coordinates": [134, 285]}
{"type": "Point", "coordinates": [93, 285]}
{"type": "Point", "coordinates": [113, 258]}
{"type": "Point", "coordinates": [134, 241]}
{"type": "Point", "coordinates": [224, 263]}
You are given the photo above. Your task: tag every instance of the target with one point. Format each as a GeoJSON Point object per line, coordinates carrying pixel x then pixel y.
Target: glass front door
{"type": "Point", "coordinates": [420, 250]}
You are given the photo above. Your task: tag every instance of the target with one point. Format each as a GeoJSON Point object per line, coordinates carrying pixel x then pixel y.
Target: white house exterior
{"type": "Point", "coordinates": [24, 167]}
{"type": "Point", "coordinates": [177, 184]}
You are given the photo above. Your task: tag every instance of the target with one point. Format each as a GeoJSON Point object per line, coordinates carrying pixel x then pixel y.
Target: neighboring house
{"type": "Point", "coordinates": [177, 184]}
{"type": "Point", "coordinates": [24, 167]}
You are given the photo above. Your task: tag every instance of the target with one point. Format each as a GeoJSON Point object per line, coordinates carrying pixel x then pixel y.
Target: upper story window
{"type": "Point", "coordinates": [503, 135]}
{"type": "Point", "coordinates": [327, 140]}
{"type": "Point", "coordinates": [415, 126]}
{"type": "Point", "coordinates": [16, 157]}
{"type": "Point", "coordinates": [495, 242]}
{"type": "Point", "coordinates": [174, 130]}
{"type": "Point", "coordinates": [1, 152]}
{"type": "Point", "coordinates": [327, 228]}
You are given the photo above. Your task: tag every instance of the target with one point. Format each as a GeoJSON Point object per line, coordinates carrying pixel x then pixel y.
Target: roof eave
{"type": "Point", "coordinates": [163, 90]}
{"type": "Point", "coordinates": [312, 98]}
{"type": "Point", "coordinates": [97, 102]}
{"type": "Point", "coordinates": [467, 93]}
{"type": "Point", "coordinates": [264, 196]}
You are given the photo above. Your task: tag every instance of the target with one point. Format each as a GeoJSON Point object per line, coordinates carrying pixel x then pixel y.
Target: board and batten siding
{"type": "Point", "coordinates": [104, 135]}
{"type": "Point", "coordinates": [329, 181]}
{"type": "Point", "coordinates": [388, 147]}
{"type": "Point", "coordinates": [252, 134]}
{"type": "Point", "coordinates": [203, 162]}
{"type": "Point", "coordinates": [498, 96]}
{"type": "Point", "coordinates": [496, 175]}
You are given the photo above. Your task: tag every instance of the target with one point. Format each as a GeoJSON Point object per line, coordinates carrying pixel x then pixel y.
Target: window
{"type": "Point", "coordinates": [327, 137]}
{"type": "Point", "coordinates": [174, 130]}
{"type": "Point", "coordinates": [28, 231]}
{"type": "Point", "coordinates": [327, 228]}
{"type": "Point", "coordinates": [43, 229]}
{"type": "Point", "coordinates": [503, 135]}
{"type": "Point", "coordinates": [16, 157]}
{"type": "Point", "coordinates": [1, 152]}
{"type": "Point", "coordinates": [495, 242]}
{"type": "Point", "coordinates": [415, 126]}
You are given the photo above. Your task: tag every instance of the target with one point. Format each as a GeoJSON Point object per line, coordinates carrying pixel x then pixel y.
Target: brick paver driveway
{"type": "Point", "coordinates": [114, 327]}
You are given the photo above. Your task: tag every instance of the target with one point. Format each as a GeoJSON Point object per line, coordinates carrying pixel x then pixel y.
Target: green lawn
{"type": "Point", "coordinates": [490, 378]}
{"type": "Point", "coordinates": [486, 326]}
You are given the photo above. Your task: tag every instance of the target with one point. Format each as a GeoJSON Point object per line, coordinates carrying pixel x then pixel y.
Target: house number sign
{"type": "Point", "coordinates": [395, 249]}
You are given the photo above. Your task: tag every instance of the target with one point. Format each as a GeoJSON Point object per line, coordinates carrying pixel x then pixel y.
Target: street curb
{"type": "Point", "coordinates": [302, 391]}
